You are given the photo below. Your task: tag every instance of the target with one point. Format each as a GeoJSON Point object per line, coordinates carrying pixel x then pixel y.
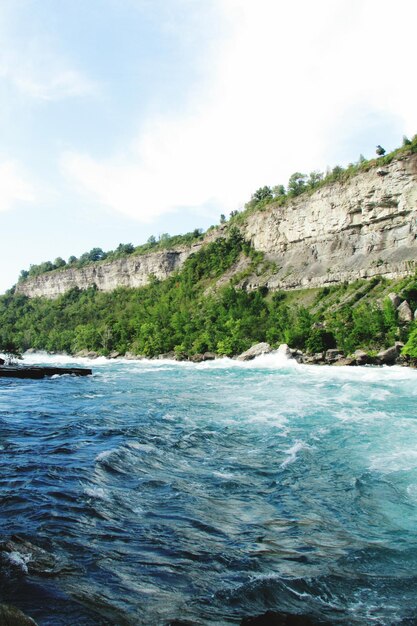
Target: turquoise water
{"type": "Point", "coordinates": [214, 491]}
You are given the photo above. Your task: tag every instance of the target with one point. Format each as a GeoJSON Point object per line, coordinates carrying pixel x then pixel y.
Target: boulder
{"type": "Point", "coordinates": [283, 350]}
{"type": "Point", "coordinates": [388, 356]}
{"type": "Point", "coordinates": [200, 358]}
{"type": "Point", "coordinates": [19, 557]}
{"type": "Point", "coordinates": [297, 355]}
{"type": "Point", "coordinates": [89, 354]}
{"type": "Point", "coordinates": [114, 354]}
{"type": "Point", "coordinates": [361, 357]}
{"type": "Point", "coordinates": [2, 361]}
{"type": "Point", "coordinates": [254, 351]}
{"type": "Point", "coordinates": [345, 360]}
{"type": "Point", "coordinates": [395, 299]}
{"type": "Point", "coordinates": [131, 357]}
{"type": "Point", "coordinates": [11, 616]}
{"type": "Point", "coordinates": [405, 313]}
{"type": "Point", "coordinates": [333, 355]}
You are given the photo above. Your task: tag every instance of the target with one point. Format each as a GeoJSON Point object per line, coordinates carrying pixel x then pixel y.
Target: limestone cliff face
{"type": "Point", "coordinates": [131, 271]}
{"type": "Point", "coordinates": [343, 231]}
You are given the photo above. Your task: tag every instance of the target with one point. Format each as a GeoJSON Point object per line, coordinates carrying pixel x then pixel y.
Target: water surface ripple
{"type": "Point", "coordinates": [214, 491]}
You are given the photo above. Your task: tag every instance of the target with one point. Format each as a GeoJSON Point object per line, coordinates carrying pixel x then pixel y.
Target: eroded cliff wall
{"type": "Point", "coordinates": [343, 231]}
{"type": "Point", "coordinates": [131, 271]}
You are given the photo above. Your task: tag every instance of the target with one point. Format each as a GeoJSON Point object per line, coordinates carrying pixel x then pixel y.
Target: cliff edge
{"type": "Point", "coordinates": [343, 231]}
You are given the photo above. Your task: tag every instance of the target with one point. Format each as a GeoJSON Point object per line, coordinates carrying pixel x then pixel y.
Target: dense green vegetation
{"type": "Point", "coordinates": [187, 314]}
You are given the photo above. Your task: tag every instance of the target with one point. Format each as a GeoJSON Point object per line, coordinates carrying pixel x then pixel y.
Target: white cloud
{"type": "Point", "coordinates": [14, 188]}
{"type": "Point", "coordinates": [34, 65]}
{"type": "Point", "coordinates": [273, 100]}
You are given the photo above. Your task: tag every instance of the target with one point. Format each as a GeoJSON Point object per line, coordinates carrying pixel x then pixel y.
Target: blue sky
{"type": "Point", "coordinates": [126, 118]}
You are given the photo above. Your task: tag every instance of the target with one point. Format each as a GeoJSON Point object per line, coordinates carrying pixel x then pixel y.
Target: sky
{"type": "Point", "coordinates": [122, 119]}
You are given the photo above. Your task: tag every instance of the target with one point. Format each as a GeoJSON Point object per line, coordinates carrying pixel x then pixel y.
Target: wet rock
{"type": "Point", "coordinates": [297, 355]}
{"type": "Point", "coordinates": [405, 313]}
{"type": "Point", "coordinates": [11, 616]}
{"type": "Point", "coordinates": [395, 299]}
{"type": "Point", "coordinates": [130, 356]}
{"type": "Point", "coordinates": [20, 557]}
{"type": "Point", "coordinates": [388, 356]}
{"type": "Point", "coordinates": [2, 361]}
{"type": "Point", "coordinates": [284, 350]}
{"type": "Point", "coordinates": [114, 354]}
{"type": "Point", "coordinates": [276, 618]}
{"type": "Point", "coordinates": [254, 351]}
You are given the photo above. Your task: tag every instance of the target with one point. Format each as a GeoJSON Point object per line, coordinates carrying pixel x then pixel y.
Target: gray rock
{"type": "Point", "coordinates": [11, 616]}
{"type": "Point", "coordinates": [395, 299]}
{"type": "Point", "coordinates": [130, 356]}
{"type": "Point", "coordinates": [346, 360]}
{"type": "Point", "coordinates": [361, 357]}
{"type": "Point", "coordinates": [254, 351]}
{"type": "Point", "coordinates": [333, 355]}
{"type": "Point", "coordinates": [284, 350]}
{"type": "Point", "coordinates": [388, 356]}
{"type": "Point", "coordinates": [22, 557]}
{"type": "Point", "coordinates": [405, 313]}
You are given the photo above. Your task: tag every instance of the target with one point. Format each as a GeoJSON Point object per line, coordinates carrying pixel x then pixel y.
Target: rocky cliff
{"type": "Point", "coordinates": [131, 271]}
{"type": "Point", "coordinates": [343, 231]}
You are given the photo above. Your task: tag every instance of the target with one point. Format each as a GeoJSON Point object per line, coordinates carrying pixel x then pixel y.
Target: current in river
{"type": "Point", "coordinates": [211, 492]}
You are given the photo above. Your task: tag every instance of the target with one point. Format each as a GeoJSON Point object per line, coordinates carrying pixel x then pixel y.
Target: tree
{"type": "Point", "coordinates": [125, 248]}
{"type": "Point", "coordinates": [222, 219]}
{"type": "Point", "coordinates": [380, 150]}
{"type": "Point", "coordinates": [72, 260]}
{"type": "Point", "coordinates": [296, 184]}
{"type": "Point", "coordinates": [314, 179]}
{"type": "Point", "coordinates": [59, 262]}
{"type": "Point", "coordinates": [278, 191]}
{"type": "Point", "coordinates": [152, 240]}
{"type": "Point", "coordinates": [263, 193]}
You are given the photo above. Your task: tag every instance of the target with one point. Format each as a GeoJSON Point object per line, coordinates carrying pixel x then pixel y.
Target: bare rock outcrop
{"type": "Point", "coordinates": [360, 228]}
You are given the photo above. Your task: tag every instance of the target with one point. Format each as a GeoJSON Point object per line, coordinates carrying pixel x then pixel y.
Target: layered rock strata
{"type": "Point", "coordinates": [131, 271]}
{"type": "Point", "coordinates": [364, 227]}
{"type": "Point", "coordinates": [360, 228]}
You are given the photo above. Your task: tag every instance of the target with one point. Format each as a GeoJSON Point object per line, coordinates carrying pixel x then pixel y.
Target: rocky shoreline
{"type": "Point", "coordinates": [389, 356]}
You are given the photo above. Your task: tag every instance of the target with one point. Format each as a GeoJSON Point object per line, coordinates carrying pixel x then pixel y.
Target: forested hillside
{"type": "Point", "coordinates": [192, 312]}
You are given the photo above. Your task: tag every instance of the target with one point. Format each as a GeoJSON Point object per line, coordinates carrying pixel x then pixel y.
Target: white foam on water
{"type": "Point", "coordinates": [19, 560]}
{"type": "Point", "coordinates": [97, 492]}
{"type": "Point", "coordinates": [394, 461]}
{"type": "Point", "coordinates": [102, 456]}
{"type": "Point", "coordinates": [293, 452]}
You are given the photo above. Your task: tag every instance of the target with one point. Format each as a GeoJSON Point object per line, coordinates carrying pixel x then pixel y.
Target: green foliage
{"type": "Point", "coordinates": [263, 193]}
{"type": "Point", "coordinates": [297, 184]}
{"type": "Point", "coordinates": [410, 348]}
